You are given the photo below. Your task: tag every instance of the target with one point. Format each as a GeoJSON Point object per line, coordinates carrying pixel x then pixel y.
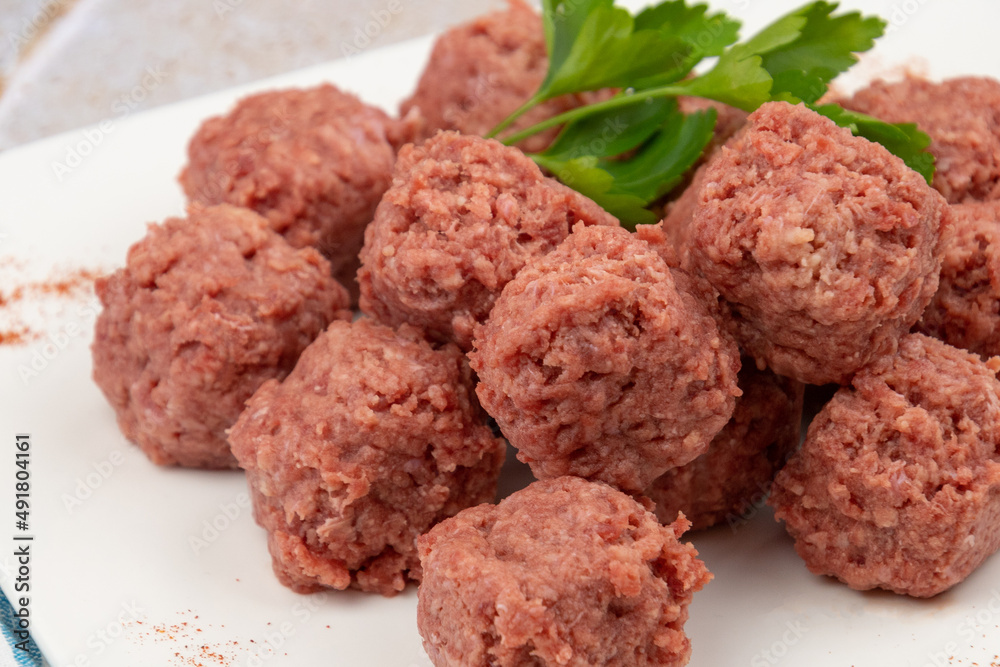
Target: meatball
{"type": "Point", "coordinates": [677, 225]}
{"type": "Point", "coordinates": [480, 72]}
{"type": "Point", "coordinates": [965, 311]}
{"type": "Point", "coordinates": [724, 483]}
{"type": "Point", "coordinates": [564, 572]}
{"type": "Point", "coordinates": [962, 117]}
{"type": "Point", "coordinates": [314, 162]}
{"type": "Point", "coordinates": [594, 364]}
{"type": "Point", "coordinates": [825, 246]}
{"type": "Point", "coordinates": [371, 440]}
{"type": "Point", "coordinates": [206, 309]}
{"type": "Point", "coordinates": [464, 214]}
{"type": "Point", "coordinates": [897, 484]}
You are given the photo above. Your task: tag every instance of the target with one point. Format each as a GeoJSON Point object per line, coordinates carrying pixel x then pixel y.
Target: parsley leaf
{"type": "Point", "coordinates": [627, 151]}
{"type": "Point", "coordinates": [593, 45]}
{"type": "Point", "coordinates": [903, 140]}
{"type": "Point", "coordinates": [662, 162]}
{"type": "Point", "coordinates": [824, 48]}
{"type": "Point", "coordinates": [611, 132]}
{"type": "Point", "coordinates": [671, 142]}
{"type": "Point", "coordinates": [604, 50]}
{"type": "Point", "coordinates": [739, 78]}
{"type": "Point", "coordinates": [707, 35]}
{"type": "Point", "coordinates": [584, 175]}
{"type": "Point", "coordinates": [793, 59]}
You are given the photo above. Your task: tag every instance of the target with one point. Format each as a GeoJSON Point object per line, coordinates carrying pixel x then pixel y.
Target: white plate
{"type": "Point", "coordinates": [137, 565]}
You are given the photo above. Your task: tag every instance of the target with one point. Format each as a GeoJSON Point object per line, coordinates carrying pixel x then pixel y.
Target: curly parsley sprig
{"type": "Point", "coordinates": [630, 150]}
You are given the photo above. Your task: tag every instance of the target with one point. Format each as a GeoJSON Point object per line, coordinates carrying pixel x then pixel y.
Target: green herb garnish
{"type": "Point", "coordinates": [630, 150]}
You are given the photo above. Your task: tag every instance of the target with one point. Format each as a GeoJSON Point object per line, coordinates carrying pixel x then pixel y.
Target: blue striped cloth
{"type": "Point", "coordinates": [10, 656]}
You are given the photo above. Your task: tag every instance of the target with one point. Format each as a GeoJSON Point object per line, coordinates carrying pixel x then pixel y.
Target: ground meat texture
{"type": "Point", "coordinates": [314, 162]}
{"type": "Point", "coordinates": [897, 484]}
{"type": "Point", "coordinates": [965, 311]}
{"type": "Point", "coordinates": [825, 246]}
{"type": "Point", "coordinates": [962, 117]}
{"type": "Point", "coordinates": [726, 483]}
{"type": "Point", "coordinates": [594, 364]}
{"type": "Point", "coordinates": [480, 72]}
{"type": "Point", "coordinates": [676, 224]}
{"type": "Point", "coordinates": [564, 572]}
{"type": "Point", "coordinates": [656, 237]}
{"type": "Point", "coordinates": [462, 217]}
{"type": "Point", "coordinates": [206, 309]}
{"type": "Point", "coordinates": [372, 439]}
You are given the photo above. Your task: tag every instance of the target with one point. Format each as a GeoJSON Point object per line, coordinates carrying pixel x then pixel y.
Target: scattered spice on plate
{"type": "Point", "coordinates": [22, 303]}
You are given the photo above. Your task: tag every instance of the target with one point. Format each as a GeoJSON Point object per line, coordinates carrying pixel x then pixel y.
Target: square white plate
{"type": "Point", "coordinates": [137, 565]}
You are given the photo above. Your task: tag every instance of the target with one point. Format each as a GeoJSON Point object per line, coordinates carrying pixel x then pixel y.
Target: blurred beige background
{"type": "Point", "coordinates": [69, 63]}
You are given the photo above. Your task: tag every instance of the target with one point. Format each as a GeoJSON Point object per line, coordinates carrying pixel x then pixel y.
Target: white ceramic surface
{"type": "Point", "coordinates": [136, 565]}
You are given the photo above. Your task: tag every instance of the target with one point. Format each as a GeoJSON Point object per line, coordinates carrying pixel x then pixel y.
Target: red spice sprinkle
{"type": "Point", "coordinates": [226, 653]}
{"type": "Point", "coordinates": [65, 284]}
{"type": "Point", "coordinates": [16, 336]}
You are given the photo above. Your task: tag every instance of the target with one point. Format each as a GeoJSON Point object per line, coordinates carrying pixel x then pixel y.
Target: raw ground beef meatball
{"type": "Point", "coordinates": [462, 217]}
{"type": "Point", "coordinates": [677, 225]}
{"type": "Point", "coordinates": [724, 483]}
{"type": "Point", "coordinates": [594, 364]}
{"type": "Point", "coordinates": [678, 211]}
{"type": "Point", "coordinates": [564, 572]}
{"type": "Point", "coordinates": [206, 309]}
{"type": "Point", "coordinates": [897, 484]}
{"type": "Point", "coordinates": [825, 246]}
{"type": "Point", "coordinates": [480, 72]}
{"type": "Point", "coordinates": [370, 441]}
{"type": "Point", "coordinates": [314, 162]}
{"type": "Point", "coordinates": [962, 117]}
{"type": "Point", "coordinates": [965, 311]}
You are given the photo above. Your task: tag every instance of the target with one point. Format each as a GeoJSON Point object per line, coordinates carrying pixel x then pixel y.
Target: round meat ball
{"type": "Point", "coordinates": [595, 364]}
{"type": "Point", "coordinates": [726, 483]}
{"type": "Point", "coordinates": [462, 217]}
{"type": "Point", "coordinates": [482, 71]}
{"type": "Point", "coordinates": [676, 224]}
{"type": "Point", "coordinates": [206, 309]}
{"type": "Point", "coordinates": [825, 246]}
{"type": "Point", "coordinates": [370, 441]}
{"type": "Point", "coordinates": [897, 484]}
{"type": "Point", "coordinates": [965, 311]}
{"type": "Point", "coordinates": [314, 162]}
{"type": "Point", "coordinates": [564, 572]}
{"type": "Point", "coordinates": [962, 117]}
